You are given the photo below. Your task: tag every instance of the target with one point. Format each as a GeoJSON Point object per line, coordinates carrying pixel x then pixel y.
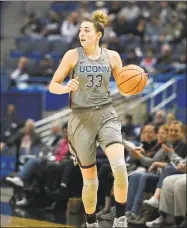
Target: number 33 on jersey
{"type": "Point", "coordinates": [94, 77]}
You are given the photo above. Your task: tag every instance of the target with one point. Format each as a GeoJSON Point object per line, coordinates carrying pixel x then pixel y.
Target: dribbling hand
{"type": "Point", "coordinates": [73, 84]}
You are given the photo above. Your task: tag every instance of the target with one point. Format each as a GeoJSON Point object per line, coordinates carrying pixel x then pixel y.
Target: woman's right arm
{"type": "Point", "coordinates": [68, 62]}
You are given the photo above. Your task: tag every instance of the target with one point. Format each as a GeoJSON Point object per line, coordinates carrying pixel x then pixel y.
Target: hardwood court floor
{"type": "Point", "coordinates": [12, 216]}
{"type": "Point", "coordinates": [12, 221]}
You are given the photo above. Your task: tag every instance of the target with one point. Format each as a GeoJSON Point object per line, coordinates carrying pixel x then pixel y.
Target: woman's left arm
{"type": "Point", "coordinates": [115, 62]}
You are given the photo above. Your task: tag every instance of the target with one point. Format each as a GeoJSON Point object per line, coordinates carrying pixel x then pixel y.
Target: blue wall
{"type": "Point", "coordinates": [8, 163]}
{"type": "Point", "coordinates": [28, 105]}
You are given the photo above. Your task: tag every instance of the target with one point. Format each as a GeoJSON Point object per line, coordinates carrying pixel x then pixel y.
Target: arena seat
{"type": "Point", "coordinates": [16, 54]}
{"type": "Point", "coordinates": [35, 55]}
{"type": "Point", "coordinates": [59, 47]}
{"type": "Point", "coordinates": [42, 46]}
{"type": "Point", "coordinates": [25, 45]}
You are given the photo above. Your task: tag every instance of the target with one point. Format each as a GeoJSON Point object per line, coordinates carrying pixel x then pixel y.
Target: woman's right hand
{"type": "Point", "coordinates": [73, 84]}
{"type": "Point", "coordinates": [152, 167]}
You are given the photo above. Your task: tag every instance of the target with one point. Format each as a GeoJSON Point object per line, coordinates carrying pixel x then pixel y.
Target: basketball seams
{"type": "Point", "coordinates": [137, 89]}
{"type": "Point", "coordinates": [130, 69]}
{"type": "Point", "coordinates": [129, 79]}
{"type": "Point", "coordinates": [144, 84]}
{"type": "Point", "coordinates": [135, 86]}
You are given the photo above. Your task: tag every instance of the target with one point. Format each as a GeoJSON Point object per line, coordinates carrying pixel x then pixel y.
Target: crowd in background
{"type": "Point", "coordinates": [154, 152]}
{"type": "Point", "coordinates": [148, 34]}
{"type": "Point", "coordinates": [144, 33]}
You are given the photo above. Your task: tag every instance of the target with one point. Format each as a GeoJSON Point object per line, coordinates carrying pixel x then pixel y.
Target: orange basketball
{"type": "Point", "coordinates": [131, 80]}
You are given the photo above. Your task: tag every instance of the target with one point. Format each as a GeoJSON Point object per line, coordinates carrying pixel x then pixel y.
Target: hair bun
{"type": "Point", "coordinates": [100, 17]}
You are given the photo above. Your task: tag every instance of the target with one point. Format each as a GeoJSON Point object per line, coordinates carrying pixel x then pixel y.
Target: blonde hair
{"type": "Point", "coordinates": [165, 127]}
{"type": "Point", "coordinates": [99, 19]}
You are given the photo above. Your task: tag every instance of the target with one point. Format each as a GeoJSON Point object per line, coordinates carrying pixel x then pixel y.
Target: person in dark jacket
{"type": "Point", "coordinates": [177, 149]}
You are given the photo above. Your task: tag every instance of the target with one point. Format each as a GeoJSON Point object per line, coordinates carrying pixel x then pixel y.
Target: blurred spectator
{"type": "Point", "coordinates": [159, 118]}
{"type": "Point", "coordinates": [148, 119]}
{"type": "Point", "coordinates": [139, 28]}
{"type": "Point", "coordinates": [172, 32]}
{"type": "Point", "coordinates": [173, 203]}
{"type": "Point", "coordinates": [100, 5]}
{"type": "Point", "coordinates": [53, 140]}
{"type": "Point", "coordinates": [130, 12]}
{"type": "Point", "coordinates": [132, 58]}
{"type": "Point", "coordinates": [128, 128]}
{"type": "Point", "coordinates": [37, 166]}
{"type": "Point", "coordinates": [158, 155]}
{"type": "Point", "coordinates": [70, 27]}
{"type": "Point", "coordinates": [84, 10]}
{"type": "Point", "coordinates": [10, 124]}
{"type": "Point", "coordinates": [52, 28]}
{"type": "Point", "coordinates": [120, 26]}
{"type": "Point", "coordinates": [166, 55]}
{"type": "Point", "coordinates": [165, 12]}
{"type": "Point", "coordinates": [153, 29]}
{"type": "Point", "coordinates": [115, 8]}
{"type": "Point", "coordinates": [180, 64]}
{"type": "Point", "coordinates": [109, 33]}
{"type": "Point", "coordinates": [170, 117]}
{"type": "Point", "coordinates": [33, 27]}
{"type": "Point", "coordinates": [176, 151]}
{"type": "Point", "coordinates": [135, 195]}
{"type": "Point", "coordinates": [148, 139]}
{"type": "Point", "coordinates": [149, 9]}
{"type": "Point", "coordinates": [21, 74]}
{"type": "Point", "coordinates": [148, 62]}
{"type": "Point", "coordinates": [46, 67]}
{"type": "Point", "coordinates": [114, 42]}
{"type": "Point", "coordinates": [26, 139]}
{"type": "Point", "coordinates": [11, 113]}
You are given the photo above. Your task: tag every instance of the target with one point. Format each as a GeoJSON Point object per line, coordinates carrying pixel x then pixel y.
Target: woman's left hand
{"type": "Point", "coordinates": [166, 148]}
{"type": "Point", "coordinates": [137, 153]}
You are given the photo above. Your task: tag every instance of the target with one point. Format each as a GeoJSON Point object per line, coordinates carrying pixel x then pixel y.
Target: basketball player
{"type": "Point", "coordinates": [93, 117]}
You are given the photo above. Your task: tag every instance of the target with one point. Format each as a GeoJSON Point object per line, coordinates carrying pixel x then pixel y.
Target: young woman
{"type": "Point", "coordinates": [93, 118]}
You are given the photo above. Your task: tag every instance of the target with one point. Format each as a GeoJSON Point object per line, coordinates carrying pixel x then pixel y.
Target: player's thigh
{"type": "Point", "coordinates": [114, 151]}
{"type": "Point", "coordinates": [110, 139]}
{"type": "Point", "coordinates": [81, 137]}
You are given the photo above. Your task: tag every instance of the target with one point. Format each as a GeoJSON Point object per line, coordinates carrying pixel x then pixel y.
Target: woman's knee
{"type": "Point", "coordinates": [168, 185]}
{"type": "Point", "coordinates": [120, 173]}
{"type": "Point", "coordinates": [180, 186]}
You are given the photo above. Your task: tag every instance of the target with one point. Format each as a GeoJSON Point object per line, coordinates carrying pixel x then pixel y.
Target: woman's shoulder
{"type": "Point", "coordinates": [72, 56]}
{"type": "Point", "coordinates": [72, 52]}
{"type": "Point", "coordinates": [112, 53]}
{"type": "Point", "coordinates": [113, 56]}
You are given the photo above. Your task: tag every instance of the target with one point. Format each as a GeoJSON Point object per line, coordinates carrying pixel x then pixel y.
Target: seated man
{"type": "Point", "coordinates": [128, 128]}
{"type": "Point", "coordinates": [9, 125]}
{"type": "Point", "coordinates": [20, 75]}
{"type": "Point", "coordinates": [172, 201]}
{"type": "Point", "coordinates": [25, 139]}
{"type": "Point", "coordinates": [176, 152]}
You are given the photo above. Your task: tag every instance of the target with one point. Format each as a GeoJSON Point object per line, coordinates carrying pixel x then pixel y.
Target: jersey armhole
{"type": "Point", "coordinates": [71, 73]}
{"type": "Point", "coordinates": [108, 58]}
